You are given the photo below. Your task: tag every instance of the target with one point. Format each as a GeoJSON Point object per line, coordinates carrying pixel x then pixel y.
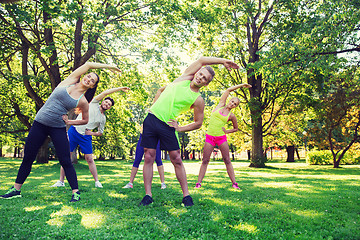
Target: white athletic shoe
{"type": "Point", "coordinates": [163, 185]}
{"type": "Point", "coordinates": [59, 184]}
{"type": "Point", "coordinates": [128, 185]}
{"type": "Point", "coordinates": [98, 184]}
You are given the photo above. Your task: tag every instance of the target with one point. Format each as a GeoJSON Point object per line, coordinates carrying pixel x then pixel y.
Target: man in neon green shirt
{"type": "Point", "coordinates": [160, 123]}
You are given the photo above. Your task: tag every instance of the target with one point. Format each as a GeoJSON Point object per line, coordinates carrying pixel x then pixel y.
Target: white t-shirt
{"type": "Point", "coordinates": [96, 119]}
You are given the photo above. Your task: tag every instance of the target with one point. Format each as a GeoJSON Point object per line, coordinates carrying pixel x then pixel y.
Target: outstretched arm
{"type": "Point", "coordinates": [198, 106]}
{"type": "Point", "coordinates": [227, 92]}
{"type": "Point", "coordinates": [75, 75]}
{"type": "Point", "coordinates": [102, 95]}
{"type": "Point", "coordinates": [234, 123]}
{"type": "Point", "coordinates": [203, 61]}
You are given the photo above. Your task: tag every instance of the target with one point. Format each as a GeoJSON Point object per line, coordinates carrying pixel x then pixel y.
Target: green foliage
{"type": "Point", "coordinates": [325, 157]}
{"type": "Point", "coordinates": [285, 49]}
{"type": "Point", "coordinates": [43, 41]}
{"type": "Point", "coordinates": [322, 157]}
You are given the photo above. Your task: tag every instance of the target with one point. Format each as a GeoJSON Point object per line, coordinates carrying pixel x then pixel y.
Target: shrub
{"type": "Point", "coordinates": [322, 157]}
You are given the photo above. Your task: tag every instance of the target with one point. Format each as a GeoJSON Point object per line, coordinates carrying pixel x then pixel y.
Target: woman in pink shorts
{"type": "Point", "coordinates": [216, 134]}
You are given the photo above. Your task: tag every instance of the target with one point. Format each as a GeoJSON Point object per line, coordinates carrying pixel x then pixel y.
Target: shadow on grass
{"type": "Point", "coordinates": [274, 203]}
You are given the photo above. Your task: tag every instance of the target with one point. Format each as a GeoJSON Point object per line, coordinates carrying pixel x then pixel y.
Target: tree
{"type": "Point", "coordinates": [336, 123]}
{"type": "Point", "coordinates": [50, 39]}
{"type": "Point", "coordinates": [278, 44]}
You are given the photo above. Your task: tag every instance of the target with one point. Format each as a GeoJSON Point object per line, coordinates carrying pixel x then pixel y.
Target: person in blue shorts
{"type": "Point", "coordinates": [51, 121]}
{"type": "Point", "coordinates": [81, 135]}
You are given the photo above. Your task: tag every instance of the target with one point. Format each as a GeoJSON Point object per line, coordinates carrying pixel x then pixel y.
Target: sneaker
{"type": "Point", "coordinates": [198, 185]}
{"type": "Point", "coordinates": [98, 184]}
{"type": "Point", "coordinates": [187, 201]}
{"type": "Point", "coordinates": [12, 193]}
{"type": "Point", "coordinates": [75, 197]}
{"type": "Point", "coordinates": [163, 185]}
{"type": "Point", "coordinates": [59, 184]}
{"type": "Point", "coordinates": [146, 200]}
{"type": "Point", "coordinates": [128, 185]}
{"type": "Point", "coordinates": [235, 185]}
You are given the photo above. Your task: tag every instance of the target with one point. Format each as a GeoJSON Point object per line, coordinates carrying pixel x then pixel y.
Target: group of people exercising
{"type": "Point", "coordinates": [159, 129]}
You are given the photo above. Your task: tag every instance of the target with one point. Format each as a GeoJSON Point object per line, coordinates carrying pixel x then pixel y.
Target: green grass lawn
{"type": "Point", "coordinates": [283, 201]}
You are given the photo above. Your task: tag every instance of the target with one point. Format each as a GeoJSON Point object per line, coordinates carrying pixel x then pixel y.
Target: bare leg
{"type": "Point", "coordinates": [17, 186]}
{"type": "Point", "coordinates": [179, 171]}
{"type": "Point", "coordinates": [92, 167]}
{"type": "Point", "coordinates": [62, 174]}
{"type": "Point", "coordinates": [208, 149]}
{"type": "Point", "coordinates": [149, 158]}
{"type": "Point", "coordinates": [134, 171]}
{"type": "Point", "coordinates": [224, 148]}
{"type": "Point", "coordinates": [161, 173]}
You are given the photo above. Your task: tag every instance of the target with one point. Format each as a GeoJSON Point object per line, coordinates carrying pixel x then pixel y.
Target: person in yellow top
{"type": "Point", "coordinates": [160, 124]}
{"type": "Point", "coordinates": [216, 134]}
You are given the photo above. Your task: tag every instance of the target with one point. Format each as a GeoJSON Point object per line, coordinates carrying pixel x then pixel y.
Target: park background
{"type": "Point", "coordinates": [301, 58]}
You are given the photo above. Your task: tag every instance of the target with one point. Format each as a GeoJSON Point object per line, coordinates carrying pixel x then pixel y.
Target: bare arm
{"type": "Point", "coordinates": [84, 107]}
{"type": "Point", "coordinates": [89, 132]}
{"type": "Point", "coordinates": [102, 95]}
{"type": "Point", "coordinates": [198, 107]}
{"type": "Point", "coordinates": [203, 61]}
{"type": "Point", "coordinates": [158, 93]}
{"type": "Point", "coordinates": [226, 94]}
{"type": "Point", "coordinates": [234, 123]}
{"type": "Point", "coordinates": [75, 75]}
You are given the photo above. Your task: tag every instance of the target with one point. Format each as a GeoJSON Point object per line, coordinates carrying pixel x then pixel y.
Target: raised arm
{"type": "Point", "coordinates": [198, 107]}
{"type": "Point", "coordinates": [203, 61]}
{"type": "Point", "coordinates": [102, 95]}
{"type": "Point", "coordinates": [227, 92]}
{"type": "Point", "coordinates": [75, 75]}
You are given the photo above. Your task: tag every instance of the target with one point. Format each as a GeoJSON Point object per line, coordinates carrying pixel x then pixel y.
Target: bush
{"type": "Point", "coordinates": [351, 158]}
{"type": "Point", "coordinates": [324, 157]}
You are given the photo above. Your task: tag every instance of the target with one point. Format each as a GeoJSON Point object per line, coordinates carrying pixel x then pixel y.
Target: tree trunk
{"type": "Point", "coordinates": [18, 152]}
{"type": "Point", "coordinates": [43, 154]}
{"type": "Point", "coordinates": [337, 164]}
{"type": "Point", "coordinates": [193, 156]}
{"type": "Point", "coordinates": [258, 158]}
{"type": "Point", "coordinates": [290, 153]}
{"type": "Point", "coordinates": [297, 153]}
{"type": "Point", "coordinates": [232, 152]}
{"type": "Point", "coordinates": [15, 151]}
{"type": "Point", "coordinates": [186, 154]}
{"type": "Point", "coordinates": [257, 153]}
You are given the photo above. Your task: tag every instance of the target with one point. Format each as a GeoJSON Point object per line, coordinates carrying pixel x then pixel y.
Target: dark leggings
{"type": "Point", "coordinates": [139, 153]}
{"type": "Point", "coordinates": [35, 139]}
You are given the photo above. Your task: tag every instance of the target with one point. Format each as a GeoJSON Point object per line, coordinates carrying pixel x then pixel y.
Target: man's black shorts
{"type": "Point", "coordinates": [154, 130]}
